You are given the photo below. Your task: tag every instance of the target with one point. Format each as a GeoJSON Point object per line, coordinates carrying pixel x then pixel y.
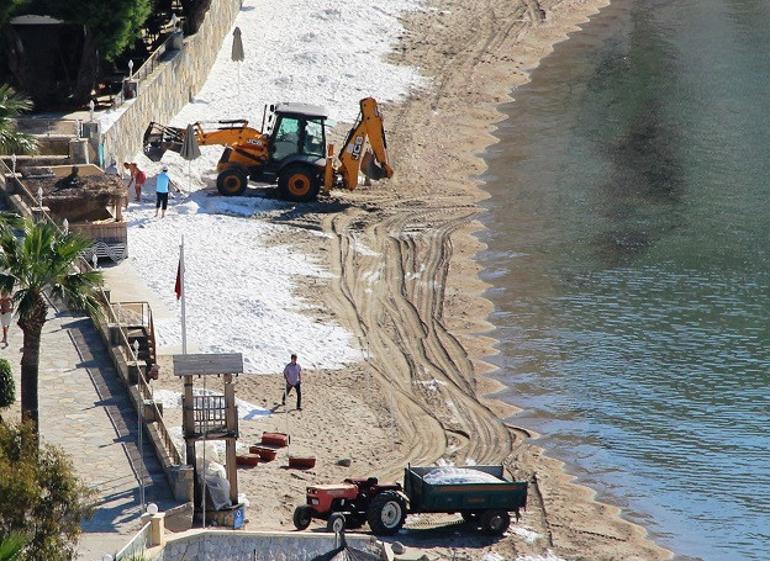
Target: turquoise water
{"type": "Point", "coordinates": [629, 242]}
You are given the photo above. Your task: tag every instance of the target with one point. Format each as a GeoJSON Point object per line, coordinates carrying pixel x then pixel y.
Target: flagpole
{"type": "Point", "coordinates": [183, 297]}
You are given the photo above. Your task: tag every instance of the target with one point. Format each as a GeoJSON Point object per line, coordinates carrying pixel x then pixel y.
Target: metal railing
{"type": "Point", "coordinates": [145, 70]}
{"type": "Point", "coordinates": [135, 548]}
{"type": "Point", "coordinates": [109, 314]}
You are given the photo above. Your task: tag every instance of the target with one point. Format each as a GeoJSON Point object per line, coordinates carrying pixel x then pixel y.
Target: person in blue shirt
{"type": "Point", "coordinates": [162, 183]}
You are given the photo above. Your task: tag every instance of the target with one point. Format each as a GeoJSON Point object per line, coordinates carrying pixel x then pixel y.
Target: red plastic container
{"type": "Point", "coordinates": [265, 454]}
{"type": "Point", "coordinates": [301, 462]}
{"type": "Point", "coordinates": [275, 439]}
{"type": "Point", "coordinates": [247, 460]}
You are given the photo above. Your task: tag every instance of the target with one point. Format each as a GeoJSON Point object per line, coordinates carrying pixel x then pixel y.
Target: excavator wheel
{"type": "Point", "coordinates": [299, 183]}
{"type": "Point", "coordinates": [232, 182]}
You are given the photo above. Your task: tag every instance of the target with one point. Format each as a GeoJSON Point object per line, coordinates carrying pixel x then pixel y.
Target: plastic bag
{"type": "Point", "coordinates": [217, 485]}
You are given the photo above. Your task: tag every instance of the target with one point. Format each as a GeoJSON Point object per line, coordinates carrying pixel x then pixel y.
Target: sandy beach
{"type": "Point", "coordinates": [404, 282]}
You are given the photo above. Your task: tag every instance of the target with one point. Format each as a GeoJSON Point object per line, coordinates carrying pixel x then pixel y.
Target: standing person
{"type": "Point", "coordinates": [6, 314]}
{"type": "Point", "coordinates": [162, 182]}
{"type": "Point", "coordinates": [112, 169]}
{"type": "Point", "coordinates": [139, 179]}
{"type": "Point", "coordinates": [130, 170]}
{"type": "Point", "coordinates": [292, 374]}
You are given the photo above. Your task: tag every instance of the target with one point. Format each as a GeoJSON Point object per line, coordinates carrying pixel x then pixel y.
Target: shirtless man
{"type": "Point", "coordinates": [6, 314]}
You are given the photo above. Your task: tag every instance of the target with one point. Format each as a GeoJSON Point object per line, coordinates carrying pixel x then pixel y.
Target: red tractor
{"type": "Point", "coordinates": [352, 504]}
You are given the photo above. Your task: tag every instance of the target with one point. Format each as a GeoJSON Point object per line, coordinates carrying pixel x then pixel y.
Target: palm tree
{"type": "Point", "coordinates": [12, 105]}
{"type": "Point", "coordinates": [38, 264]}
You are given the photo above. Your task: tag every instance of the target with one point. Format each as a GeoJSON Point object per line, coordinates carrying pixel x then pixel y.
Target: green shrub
{"type": "Point", "coordinates": [114, 23]}
{"type": "Point", "coordinates": [40, 496]}
{"type": "Point", "coordinates": [7, 385]}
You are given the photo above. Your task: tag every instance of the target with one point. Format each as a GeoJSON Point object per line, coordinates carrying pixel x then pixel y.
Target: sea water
{"type": "Point", "coordinates": [629, 258]}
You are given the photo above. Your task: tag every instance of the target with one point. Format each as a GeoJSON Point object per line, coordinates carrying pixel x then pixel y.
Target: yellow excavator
{"type": "Point", "coordinates": [292, 151]}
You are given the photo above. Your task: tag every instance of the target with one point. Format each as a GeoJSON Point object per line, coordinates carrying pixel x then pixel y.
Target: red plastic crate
{"type": "Point", "coordinates": [275, 439]}
{"type": "Point", "coordinates": [247, 460]}
{"type": "Point", "coordinates": [301, 462]}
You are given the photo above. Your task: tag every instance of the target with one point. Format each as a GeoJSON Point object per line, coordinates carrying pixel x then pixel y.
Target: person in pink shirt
{"type": "Point", "coordinates": [292, 375]}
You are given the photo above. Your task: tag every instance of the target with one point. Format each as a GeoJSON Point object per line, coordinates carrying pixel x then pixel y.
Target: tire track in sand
{"type": "Point", "coordinates": [392, 294]}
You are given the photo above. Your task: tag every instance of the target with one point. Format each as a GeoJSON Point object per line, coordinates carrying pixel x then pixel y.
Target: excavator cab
{"type": "Point", "coordinates": [297, 130]}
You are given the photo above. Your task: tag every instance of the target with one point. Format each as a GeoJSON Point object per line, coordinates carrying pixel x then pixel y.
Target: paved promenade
{"type": "Point", "coordinates": [84, 408]}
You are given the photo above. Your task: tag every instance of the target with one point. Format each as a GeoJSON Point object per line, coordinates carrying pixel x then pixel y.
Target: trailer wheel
{"type": "Point", "coordinates": [336, 523]}
{"type": "Point", "coordinates": [495, 522]}
{"type": "Point", "coordinates": [303, 514]}
{"type": "Point", "coordinates": [470, 516]}
{"type": "Point", "coordinates": [299, 183]}
{"type": "Point", "coordinates": [232, 182]}
{"type": "Point", "coordinates": [387, 513]}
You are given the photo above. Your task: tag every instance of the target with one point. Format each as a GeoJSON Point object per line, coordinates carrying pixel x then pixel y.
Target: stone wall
{"type": "Point", "coordinates": [170, 87]}
{"type": "Point", "coordinates": [256, 546]}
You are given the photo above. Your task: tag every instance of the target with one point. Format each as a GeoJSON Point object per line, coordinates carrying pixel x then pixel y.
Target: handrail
{"type": "Point", "coordinates": [136, 547]}
{"type": "Point", "coordinates": [145, 70]}
{"type": "Point", "coordinates": [112, 318]}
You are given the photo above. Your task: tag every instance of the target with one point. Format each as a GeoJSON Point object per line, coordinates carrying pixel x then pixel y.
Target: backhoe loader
{"type": "Point", "coordinates": [292, 151]}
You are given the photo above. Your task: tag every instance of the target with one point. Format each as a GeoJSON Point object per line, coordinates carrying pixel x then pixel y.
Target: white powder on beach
{"type": "Point", "coordinates": [529, 536]}
{"type": "Point", "coordinates": [173, 400]}
{"type": "Point", "coordinates": [547, 556]}
{"type": "Point", "coordinates": [240, 287]}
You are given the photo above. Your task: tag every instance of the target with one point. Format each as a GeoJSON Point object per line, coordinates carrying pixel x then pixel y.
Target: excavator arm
{"type": "Point", "coordinates": [158, 139]}
{"type": "Point", "coordinates": [354, 155]}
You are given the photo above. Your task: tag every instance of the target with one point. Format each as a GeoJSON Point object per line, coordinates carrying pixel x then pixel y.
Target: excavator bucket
{"type": "Point", "coordinates": [371, 168]}
{"type": "Point", "coordinates": [159, 138]}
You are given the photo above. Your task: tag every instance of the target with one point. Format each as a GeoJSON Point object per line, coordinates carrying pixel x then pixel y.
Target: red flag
{"type": "Point", "coordinates": [178, 287]}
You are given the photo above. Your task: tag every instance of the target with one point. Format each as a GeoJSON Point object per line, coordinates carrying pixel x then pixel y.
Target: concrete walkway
{"type": "Point", "coordinates": [85, 409]}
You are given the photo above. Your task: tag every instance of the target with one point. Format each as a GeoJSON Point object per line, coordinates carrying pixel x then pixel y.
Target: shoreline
{"type": "Point", "coordinates": [605, 532]}
{"type": "Point", "coordinates": [556, 29]}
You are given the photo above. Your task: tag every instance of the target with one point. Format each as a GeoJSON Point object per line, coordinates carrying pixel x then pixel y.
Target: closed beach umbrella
{"type": "Point", "coordinates": [237, 54]}
{"type": "Point", "coordinates": [190, 150]}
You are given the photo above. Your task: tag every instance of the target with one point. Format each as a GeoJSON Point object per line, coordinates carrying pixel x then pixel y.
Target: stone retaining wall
{"type": "Point", "coordinates": [169, 88]}
{"type": "Point", "coordinates": [256, 546]}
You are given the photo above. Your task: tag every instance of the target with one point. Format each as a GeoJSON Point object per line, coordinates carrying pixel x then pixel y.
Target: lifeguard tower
{"type": "Point", "coordinates": [211, 416]}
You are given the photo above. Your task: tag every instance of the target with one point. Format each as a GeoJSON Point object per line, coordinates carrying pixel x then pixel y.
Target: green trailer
{"type": "Point", "coordinates": [485, 505]}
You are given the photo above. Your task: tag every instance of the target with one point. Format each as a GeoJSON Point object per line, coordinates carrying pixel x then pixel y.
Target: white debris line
{"type": "Point", "coordinates": [547, 556]}
{"type": "Point", "coordinates": [240, 288]}
{"type": "Point", "coordinates": [529, 536]}
{"type": "Point", "coordinates": [171, 399]}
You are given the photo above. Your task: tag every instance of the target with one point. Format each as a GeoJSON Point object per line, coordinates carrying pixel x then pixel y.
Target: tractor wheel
{"type": "Point", "coordinates": [495, 522]}
{"type": "Point", "coordinates": [232, 182]}
{"type": "Point", "coordinates": [299, 183]}
{"type": "Point", "coordinates": [336, 523]}
{"type": "Point", "coordinates": [387, 513]}
{"type": "Point", "coordinates": [302, 516]}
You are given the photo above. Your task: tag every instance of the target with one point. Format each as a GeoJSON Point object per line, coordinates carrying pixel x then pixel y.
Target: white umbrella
{"type": "Point", "coordinates": [190, 150]}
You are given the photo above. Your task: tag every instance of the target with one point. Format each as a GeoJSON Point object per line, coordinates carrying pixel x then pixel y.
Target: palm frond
{"type": "Point", "coordinates": [11, 546]}
{"type": "Point", "coordinates": [7, 283]}
{"type": "Point", "coordinates": [10, 220]}
{"type": "Point", "coordinates": [13, 104]}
